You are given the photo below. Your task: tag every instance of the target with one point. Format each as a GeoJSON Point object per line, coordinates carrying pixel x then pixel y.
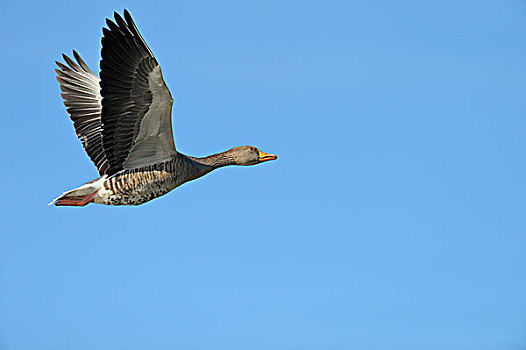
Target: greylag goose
{"type": "Point", "coordinates": [124, 123]}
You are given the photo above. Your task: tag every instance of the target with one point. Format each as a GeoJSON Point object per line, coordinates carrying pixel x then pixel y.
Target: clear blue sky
{"type": "Point", "coordinates": [394, 217]}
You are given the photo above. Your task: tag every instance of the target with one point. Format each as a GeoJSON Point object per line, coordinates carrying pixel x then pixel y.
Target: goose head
{"type": "Point", "coordinates": [250, 155]}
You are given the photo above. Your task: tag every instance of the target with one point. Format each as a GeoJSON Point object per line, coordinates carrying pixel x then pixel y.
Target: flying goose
{"type": "Point", "coordinates": [124, 123]}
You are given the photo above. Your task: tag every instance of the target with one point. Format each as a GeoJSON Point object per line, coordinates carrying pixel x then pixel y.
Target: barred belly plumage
{"type": "Point", "coordinates": [138, 186]}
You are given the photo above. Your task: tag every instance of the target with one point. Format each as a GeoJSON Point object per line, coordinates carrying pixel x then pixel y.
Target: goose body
{"type": "Point", "coordinates": [124, 123]}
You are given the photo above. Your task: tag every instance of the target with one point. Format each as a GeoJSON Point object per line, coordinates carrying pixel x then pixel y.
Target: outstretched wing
{"type": "Point", "coordinates": [81, 94]}
{"type": "Point", "coordinates": [136, 103]}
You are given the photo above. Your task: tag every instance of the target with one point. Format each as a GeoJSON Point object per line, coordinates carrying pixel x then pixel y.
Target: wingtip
{"type": "Point", "coordinates": [78, 58]}
{"type": "Point", "coordinates": [117, 16]}
{"type": "Point", "coordinates": [81, 62]}
{"type": "Point", "coordinates": [70, 62]}
{"type": "Point", "coordinates": [128, 17]}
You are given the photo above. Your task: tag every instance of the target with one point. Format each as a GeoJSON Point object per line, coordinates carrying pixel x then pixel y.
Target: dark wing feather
{"type": "Point", "coordinates": [136, 104]}
{"type": "Point", "coordinates": [81, 94]}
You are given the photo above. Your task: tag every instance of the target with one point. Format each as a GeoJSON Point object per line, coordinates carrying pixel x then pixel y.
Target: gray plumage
{"type": "Point", "coordinates": [81, 94]}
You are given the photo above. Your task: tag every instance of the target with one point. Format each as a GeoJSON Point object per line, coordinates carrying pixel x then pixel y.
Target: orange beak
{"type": "Point", "coordinates": [263, 157]}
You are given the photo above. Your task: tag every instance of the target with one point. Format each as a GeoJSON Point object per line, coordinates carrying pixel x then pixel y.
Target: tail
{"type": "Point", "coordinates": [80, 196]}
